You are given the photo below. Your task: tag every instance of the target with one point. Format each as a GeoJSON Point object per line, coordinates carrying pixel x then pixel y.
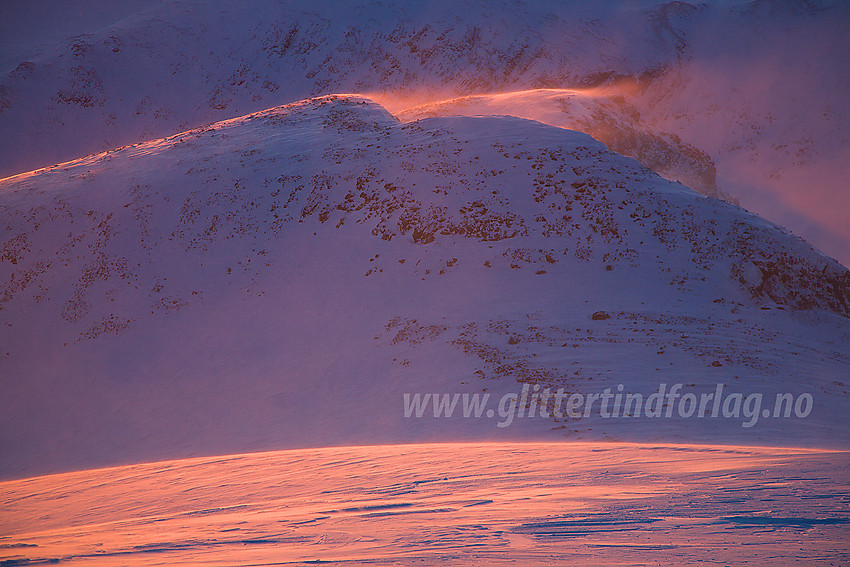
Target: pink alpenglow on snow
{"type": "Point", "coordinates": [430, 283]}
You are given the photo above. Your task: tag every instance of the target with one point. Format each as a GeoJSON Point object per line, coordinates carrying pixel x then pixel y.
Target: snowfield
{"type": "Point", "coordinates": [455, 504]}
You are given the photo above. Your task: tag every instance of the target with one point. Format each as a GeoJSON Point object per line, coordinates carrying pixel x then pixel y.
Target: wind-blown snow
{"type": "Point", "coordinates": [457, 504]}
{"type": "Point", "coordinates": [608, 118]}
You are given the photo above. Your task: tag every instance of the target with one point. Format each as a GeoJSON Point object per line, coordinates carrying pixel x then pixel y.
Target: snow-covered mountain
{"type": "Point", "coordinates": [734, 80]}
{"type": "Point", "coordinates": [282, 279]}
{"type": "Point", "coordinates": [438, 282]}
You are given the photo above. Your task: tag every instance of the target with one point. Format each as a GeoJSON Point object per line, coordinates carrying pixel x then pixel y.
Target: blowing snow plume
{"type": "Point", "coordinates": [608, 118]}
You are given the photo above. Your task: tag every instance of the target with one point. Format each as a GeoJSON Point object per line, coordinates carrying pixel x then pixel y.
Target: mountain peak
{"type": "Point", "coordinates": [300, 248]}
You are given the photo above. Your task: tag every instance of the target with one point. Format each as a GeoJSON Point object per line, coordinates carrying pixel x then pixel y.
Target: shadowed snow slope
{"type": "Point", "coordinates": [282, 279]}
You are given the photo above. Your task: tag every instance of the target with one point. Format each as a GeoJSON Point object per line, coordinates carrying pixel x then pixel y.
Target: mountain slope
{"type": "Point", "coordinates": [282, 279]}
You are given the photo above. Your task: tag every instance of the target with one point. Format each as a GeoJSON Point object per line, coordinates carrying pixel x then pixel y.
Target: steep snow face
{"type": "Point", "coordinates": [608, 118]}
{"type": "Point", "coordinates": [282, 279]}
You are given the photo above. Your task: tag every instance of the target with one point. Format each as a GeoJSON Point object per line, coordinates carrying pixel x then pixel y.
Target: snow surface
{"type": "Point", "coordinates": [524, 504]}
